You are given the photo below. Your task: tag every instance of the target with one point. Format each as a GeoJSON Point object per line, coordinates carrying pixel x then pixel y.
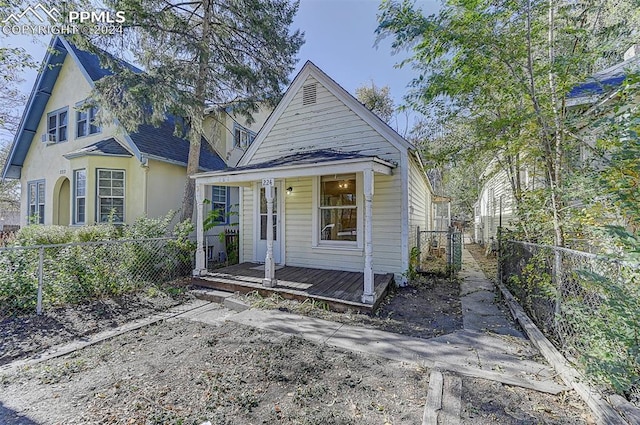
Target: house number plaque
{"type": "Point", "coordinates": [267, 182]}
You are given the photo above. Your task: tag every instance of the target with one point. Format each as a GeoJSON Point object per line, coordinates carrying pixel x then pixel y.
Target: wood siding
{"type": "Point", "coordinates": [246, 225]}
{"type": "Point", "coordinates": [327, 124]}
{"type": "Point", "coordinates": [386, 229]}
{"type": "Point", "coordinates": [488, 217]}
{"type": "Point", "coordinates": [420, 202]}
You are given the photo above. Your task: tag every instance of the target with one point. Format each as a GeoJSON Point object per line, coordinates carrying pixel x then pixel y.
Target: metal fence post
{"type": "Point", "coordinates": [499, 251]}
{"type": "Point", "coordinates": [557, 280]}
{"type": "Point", "coordinates": [40, 280]}
{"type": "Point", "coordinates": [419, 250]}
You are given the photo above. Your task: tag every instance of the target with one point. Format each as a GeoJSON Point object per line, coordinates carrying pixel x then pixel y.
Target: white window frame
{"type": "Point", "coordinates": [316, 240]}
{"type": "Point", "coordinates": [38, 200]}
{"type": "Point", "coordinates": [57, 129]}
{"type": "Point", "coordinates": [215, 204]}
{"type": "Point", "coordinates": [87, 119]}
{"type": "Point", "coordinates": [242, 137]}
{"type": "Point", "coordinates": [99, 217]}
{"type": "Point", "coordinates": [77, 196]}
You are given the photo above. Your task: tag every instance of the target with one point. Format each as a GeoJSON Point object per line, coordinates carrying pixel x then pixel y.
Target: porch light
{"type": "Point", "coordinates": [289, 190]}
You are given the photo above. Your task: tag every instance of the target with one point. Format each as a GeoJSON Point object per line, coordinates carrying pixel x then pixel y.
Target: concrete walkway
{"type": "Point", "coordinates": [490, 346]}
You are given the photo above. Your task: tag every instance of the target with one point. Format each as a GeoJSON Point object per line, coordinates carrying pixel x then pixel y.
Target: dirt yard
{"type": "Point", "coordinates": [183, 372]}
{"type": "Point", "coordinates": [26, 335]}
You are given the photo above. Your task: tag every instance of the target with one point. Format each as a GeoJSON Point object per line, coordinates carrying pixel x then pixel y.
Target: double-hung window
{"type": "Point", "coordinates": [242, 137]}
{"type": "Point", "coordinates": [57, 122]}
{"type": "Point", "coordinates": [110, 196]}
{"type": "Point", "coordinates": [86, 122]}
{"type": "Point", "coordinates": [79, 196]}
{"type": "Point", "coordinates": [219, 203]}
{"type": "Point", "coordinates": [338, 208]}
{"type": "Point", "coordinates": [36, 201]}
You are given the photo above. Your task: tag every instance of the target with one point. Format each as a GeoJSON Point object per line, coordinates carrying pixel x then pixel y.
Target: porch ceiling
{"type": "Point", "coordinates": [297, 165]}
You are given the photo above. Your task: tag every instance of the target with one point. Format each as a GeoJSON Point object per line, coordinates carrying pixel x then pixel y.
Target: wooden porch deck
{"type": "Point", "coordinates": [340, 290]}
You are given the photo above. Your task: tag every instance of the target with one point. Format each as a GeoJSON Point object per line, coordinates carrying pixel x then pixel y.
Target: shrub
{"type": "Point", "coordinates": [44, 235]}
{"type": "Point", "coordinates": [73, 273]}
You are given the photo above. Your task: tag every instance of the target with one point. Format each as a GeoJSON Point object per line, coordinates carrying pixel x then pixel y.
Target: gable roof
{"type": "Point", "coordinates": [306, 158]}
{"type": "Point", "coordinates": [108, 146]}
{"type": "Point", "coordinates": [310, 69]}
{"type": "Point", "coordinates": [159, 143]}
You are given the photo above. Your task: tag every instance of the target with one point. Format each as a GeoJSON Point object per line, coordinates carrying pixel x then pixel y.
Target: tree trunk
{"type": "Point", "coordinates": [195, 129]}
{"type": "Point", "coordinates": [555, 170]}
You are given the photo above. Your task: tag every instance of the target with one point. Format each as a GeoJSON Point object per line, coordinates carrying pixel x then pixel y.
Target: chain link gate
{"type": "Point", "coordinates": [439, 251]}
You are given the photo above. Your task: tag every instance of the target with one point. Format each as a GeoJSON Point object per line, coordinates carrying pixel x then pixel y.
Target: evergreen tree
{"type": "Point", "coordinates": [196, 55]}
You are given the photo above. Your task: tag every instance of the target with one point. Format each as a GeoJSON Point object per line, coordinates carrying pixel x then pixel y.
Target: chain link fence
{"type": "Point", "coordinates": [438, 252]}
{"type": "Point", "coordinates": [34, 278]}
{"type": "Point", "coordinates": [588, 305]}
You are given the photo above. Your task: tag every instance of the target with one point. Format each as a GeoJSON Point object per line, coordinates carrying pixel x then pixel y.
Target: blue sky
{"type": "Point", "coordinates": [339, 38]}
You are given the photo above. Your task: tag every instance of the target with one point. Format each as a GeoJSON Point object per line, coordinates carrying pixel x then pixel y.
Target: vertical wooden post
{"type": "Point", "coordinates": [200, 268]}
{"type": "Point", "coordinates": [269, 266]}
{"type": "Point", "coordinates": [368, 295]}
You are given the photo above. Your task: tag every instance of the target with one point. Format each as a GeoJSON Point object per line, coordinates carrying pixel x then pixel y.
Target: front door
{"type": "Point", "coordinates": [261, 214]}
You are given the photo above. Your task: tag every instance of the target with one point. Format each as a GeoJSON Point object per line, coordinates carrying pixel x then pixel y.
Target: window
{"type": "Point", "coordinates": [242, 137]}
{"type": "Point", "coordinates": [219, 202]}
{"type": "Point", "coordinates": [338, 208]}
{"type": "Point", "coordinates": [79, 196]}
{"type": "Point", "coordinates": [57, 125]}
{"type": "Point", "coordinates": [36, 202]}
{"type": "Point", "coordinates": [110, 197]}
{"type": "Point", "coordinates": [86, 122]}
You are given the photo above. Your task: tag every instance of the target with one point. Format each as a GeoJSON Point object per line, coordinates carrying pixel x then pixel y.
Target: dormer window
{"type": "Point", "coordinates": [57, 125]}
{"type": "Point", "coordinates": [86, 122]}
{"type": "Point", "coordinates": [242, 137]}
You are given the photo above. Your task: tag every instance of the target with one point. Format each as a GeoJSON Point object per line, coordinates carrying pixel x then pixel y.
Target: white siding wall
{"type": "Point", "coordinates": [420, 202]}
{"type": "Point", "coordinates": [330, 124]}
{"type": "Point", "coordinates": [299, 227]}
{"type": "Point", "coordinates": [495, 187]}
{"type": "Point", "coordinates": [387, 224]}
{"type": "Point", "coordinates": [327, 124]}
{"type": "Point", "coordinates": [246, 225]}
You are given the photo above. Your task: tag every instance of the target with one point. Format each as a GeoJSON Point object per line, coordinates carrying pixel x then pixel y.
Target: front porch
{"type": "Point", "coordinates": [340, 290]}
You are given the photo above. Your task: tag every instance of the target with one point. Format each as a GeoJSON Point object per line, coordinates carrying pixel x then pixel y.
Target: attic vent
{"type": "Point", "coordinates": [309, 94]}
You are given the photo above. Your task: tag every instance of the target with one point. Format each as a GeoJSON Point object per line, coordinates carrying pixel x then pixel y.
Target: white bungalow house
{"type": "Point", "coordinates": [340, 189]}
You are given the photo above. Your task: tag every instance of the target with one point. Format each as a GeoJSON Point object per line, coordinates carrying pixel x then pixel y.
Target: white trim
{"type": "Point", "coordinates": [241, 224]}
{"type": "Point", "coordinates": [282, 216]}
{"type": "Point", "coordinates": [256, 221]}
{"type": "Point", "coordinates": [404, 215]}
{"type": "Point", "coordinates": [296, 170]}
{"type": "Point", "coordinates": [315, 218]}
{"type": "Point", "coordinates": [310, 69]}
{"type": "Point", "coordinates": [316, 242]}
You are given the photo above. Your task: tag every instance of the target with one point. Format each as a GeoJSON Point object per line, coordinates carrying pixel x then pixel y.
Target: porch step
{"type": "Point", "coordinates": [212, 295]}
{"type": "Point", "coordinates": [225, 298]}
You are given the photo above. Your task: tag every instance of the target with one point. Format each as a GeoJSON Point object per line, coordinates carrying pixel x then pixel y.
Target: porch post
{"type": "Point", "coordinates": [269, 266]}
{"type": "Point", "coordinates": [368, 295]}
{"type": "Point", "coordinates": [200, 264]}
